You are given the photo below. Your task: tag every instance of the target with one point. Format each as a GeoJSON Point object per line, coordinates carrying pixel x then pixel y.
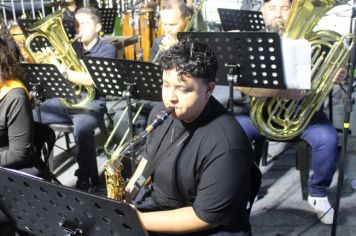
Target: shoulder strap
{"type": "Point", "coordinates": [150, 168]}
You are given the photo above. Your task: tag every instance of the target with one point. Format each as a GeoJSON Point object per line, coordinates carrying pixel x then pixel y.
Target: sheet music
{"type": "Point", "coordinates": [297, 63]}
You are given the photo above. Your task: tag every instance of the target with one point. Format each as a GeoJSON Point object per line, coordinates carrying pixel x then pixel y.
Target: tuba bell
{"type": "Point", "coordinates": [281, 119]}
{"type": "Point", "coordinates": [51, 28]}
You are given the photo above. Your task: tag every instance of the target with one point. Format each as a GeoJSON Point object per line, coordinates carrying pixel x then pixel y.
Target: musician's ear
{"type": "Point", "coordinates": [98, 27]}
{"type": "Point", "coordinates": [210, 89]}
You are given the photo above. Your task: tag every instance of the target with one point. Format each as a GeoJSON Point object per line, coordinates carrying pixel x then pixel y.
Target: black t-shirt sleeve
{"type": "Point", "coordinates": [222, 187]}
{"type": "Point", "coordinates": [19, 124]}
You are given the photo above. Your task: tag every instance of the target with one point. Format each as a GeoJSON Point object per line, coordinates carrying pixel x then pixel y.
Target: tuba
{"type": "Point", "coordinates": [281, 119]}
{"type": "Point", "coordinates": [51, 27]}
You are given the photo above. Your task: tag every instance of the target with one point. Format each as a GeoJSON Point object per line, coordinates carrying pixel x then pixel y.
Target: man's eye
{"type": "Point", "coordinates": [184, 90]}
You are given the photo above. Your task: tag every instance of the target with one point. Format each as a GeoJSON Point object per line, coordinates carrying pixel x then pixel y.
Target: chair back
{"type": "Point", "coordinates": [44, 139]}
{"type": "Point", "coordinates": [255, 184]}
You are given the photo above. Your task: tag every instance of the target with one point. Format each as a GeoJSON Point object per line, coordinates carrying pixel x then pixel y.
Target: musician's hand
{"type": "Point", "coordinates": [298, 94]}
{"type": "Point", "coordinates": [340, 76]}
{"type": "Point", "coordinates": [51, 59]}
{"type": "Point", "coordinates": [127, 196]}
{"type": "Point", "coordinates": [167, 42]}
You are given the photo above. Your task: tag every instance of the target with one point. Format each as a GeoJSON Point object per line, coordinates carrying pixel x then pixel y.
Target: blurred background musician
{"type": "Point", "coordinates": [71, 7]}
{"type": "Point", "coordinates": [88, 25]}
{"type": "Point", "coordinates": [16, 122]}
{"type": "Point", "coordinates": [185, 196]}
{"type": "Point", "coordinates": [174, 18]}
{"type": "Point", "coordinates": [320, 134]}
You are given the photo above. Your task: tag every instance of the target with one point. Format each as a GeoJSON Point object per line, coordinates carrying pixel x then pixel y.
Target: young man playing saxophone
{"type": "Point", "coordinates": [201, 185]}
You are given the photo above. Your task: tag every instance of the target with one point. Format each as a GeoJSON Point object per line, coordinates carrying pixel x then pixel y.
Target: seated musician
{"type": "Point", "coordinates": [201, 185]}
{"type": "Point", "coordinates": [320, 134]}
{"type": "Point", "coordinates": [16, 122]}
{"type": "Point", "coordinates": [71, 8]}
{"type": "Point", "coordinates": [174, 17]}
{"type": "Point", "coordinates": [88, 25]}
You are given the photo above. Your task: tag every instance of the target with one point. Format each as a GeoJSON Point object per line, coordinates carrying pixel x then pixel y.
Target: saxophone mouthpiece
{"type": "Point", "coordinates": [160, 117]}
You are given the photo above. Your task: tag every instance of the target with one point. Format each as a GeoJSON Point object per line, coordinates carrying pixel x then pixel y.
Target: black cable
{"type": "Point", "coordinates": [346, 125]}
{"type": "Point", "coordinates": [315, 222]}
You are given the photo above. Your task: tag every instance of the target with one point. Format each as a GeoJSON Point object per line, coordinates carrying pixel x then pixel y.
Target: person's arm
{"type": "Point", "coordinates": [20, 131]}
{"type": "Point", "coordinates": [182, 220]}
{"type": "Point", "coordinates": [80, 78]}
{"type": "Point", "coordinates": [141, 166]}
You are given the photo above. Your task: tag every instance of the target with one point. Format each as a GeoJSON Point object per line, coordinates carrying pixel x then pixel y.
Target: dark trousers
{"type": "Point", "coordinates": [321, 135]}
{"type": "Point", "coordinates": [85, 121]}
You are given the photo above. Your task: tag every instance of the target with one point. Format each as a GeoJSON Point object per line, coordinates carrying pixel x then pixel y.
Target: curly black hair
{"type": "Point", "coordinates": [191, 58]}
{"type": "Point", "coordinates": [9, 65]}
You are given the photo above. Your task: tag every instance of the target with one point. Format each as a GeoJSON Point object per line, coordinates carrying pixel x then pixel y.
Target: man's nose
{"type": "Point", "coordinates": [172, 95]}
{"type": "Point", "coordinates": [279, 12]}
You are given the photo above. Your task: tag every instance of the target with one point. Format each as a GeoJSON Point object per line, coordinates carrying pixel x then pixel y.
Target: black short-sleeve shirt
{"type": "Point", "coordinates": [209, 171]}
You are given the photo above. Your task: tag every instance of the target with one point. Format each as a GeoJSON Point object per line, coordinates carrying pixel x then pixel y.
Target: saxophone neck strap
{"type": "Point", "coordinates": [141, 180]}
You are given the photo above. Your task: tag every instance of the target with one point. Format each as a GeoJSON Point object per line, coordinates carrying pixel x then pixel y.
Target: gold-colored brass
{"type": "Point", "coordinates": [281, 119]}
{"type": "Point", "coordinates": [51, 27]}
{"type": "Point", "coordinates": [109, 145]}
{"type": "Point", "coordinates": [114, 181]}
{"type": "Point", "coordinates": [115, 185]}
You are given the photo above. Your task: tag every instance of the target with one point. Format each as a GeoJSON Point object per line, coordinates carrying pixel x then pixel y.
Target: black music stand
{"type": "Point", "coordinates": [42, 208]}
{"type": "Point", "coordinates": [241, 20]}
{"type": "Point", "coordinates": [127, 79]}
{"type": "Point", "coordinates": [246, 59]}
{"type": "Point", "coordinates": [38, 42]}
{"type": "Point", "coordinates": [46, 81]}
{"type": "Point", "coordinates": [108, 16]}
{"type": "Point", "coordinates": [69, 27]}
{"type": "Point", "coordinates": [25, 24]}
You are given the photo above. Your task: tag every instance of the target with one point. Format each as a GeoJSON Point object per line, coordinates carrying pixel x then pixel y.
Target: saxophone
{"type": "Point", "coordinates": [281, 119]}
{"type": "Point", "coordinates": [114, 181]}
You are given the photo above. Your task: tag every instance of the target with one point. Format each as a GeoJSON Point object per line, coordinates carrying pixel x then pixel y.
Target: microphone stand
{"type": "Point", "coordinates": [348, 102]}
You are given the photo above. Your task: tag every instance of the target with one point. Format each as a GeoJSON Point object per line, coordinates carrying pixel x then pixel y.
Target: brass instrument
{"type": "Point", "coordinates": [281, 119]}
{"type": "Point", "coordinates": [167, 42]}
{"type": "Point", "coordinates": [109, 145]}
{"type": "Point", "coordinates": [114, 181]}
{"type": "Point", "coordinates": [51, 27]}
